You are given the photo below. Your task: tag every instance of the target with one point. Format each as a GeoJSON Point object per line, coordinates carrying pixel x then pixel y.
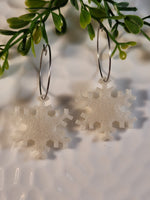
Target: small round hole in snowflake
{"type": "Point", "coordinates": [97, 125]}
{"type": "Point", "coordinates": [60, 145]}
{"type": "Point", "coordinates": [30, 143]}
{"type": "Point", "coordinates": [114, 93]}
{"type": "Point", "coordinates": [49, 143]}
{"type": "Point", "coordinates": [115, 124]}
{"type": "Point", "coordinates": [51, 113]}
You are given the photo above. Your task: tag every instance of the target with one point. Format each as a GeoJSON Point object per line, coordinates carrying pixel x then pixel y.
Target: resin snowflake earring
{"type": "Point", "coordinates": [106, 109]}
{"type": "Point", "coordinates": [41, 127]}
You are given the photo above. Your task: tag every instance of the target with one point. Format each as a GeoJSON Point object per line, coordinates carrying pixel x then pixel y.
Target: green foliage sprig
{"type": "Point", "coordinates": [28, 29]}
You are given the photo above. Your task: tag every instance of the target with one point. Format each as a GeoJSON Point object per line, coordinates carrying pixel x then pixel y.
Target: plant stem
{"type": "Point", "coordinates": [145, 35]}
{"type": "Point", "coordinates": [27, 31]}
{"type": "Point", "coordinates": [146, 17]}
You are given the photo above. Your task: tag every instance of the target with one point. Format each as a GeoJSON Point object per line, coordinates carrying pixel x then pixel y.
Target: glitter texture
{"type": "Point", "coordinates": [38, 129]}
{"type": "Point", "coordinates": [106, 110]}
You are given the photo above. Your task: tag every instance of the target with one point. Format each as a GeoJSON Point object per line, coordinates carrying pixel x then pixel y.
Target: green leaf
{"type": "Point", "coordinates": [60, 3]}
{"type": "Point", "coordinates": [1, 71]}
{"type": "Point", "coordinates": [64, 27]}
{"type": "Point", "coordinates": [127, 8]}
{"type": "Point", "coordinates": [85, 18]}
{"type": "Point", "coordinates": [107, 10]}
{"type": "Point", "coordinates": [6, 66]}
{"type": "Point", "coordinates": [75, 4]}
{"type": "Point", "coordinates": [57, 21]}
{"type": "Point", "coordinates": [117, 17]}
{"type": "Point", "coordinates": [16, 23]}
{"type": "Point", "coordinates": [36, 9]}
{"type": "Point", "coordinates": [3, 56]}
{"type": "Point", "coordinates": [133, 23]}
{"type": "Point", "coordinates": [32, 47]}
{"type": "Point", "coordinates": [91, 31]}
{"type": "Point", "coordinates": [24, 46]}
{"type": "Point", "coordinates": [7, 32]}
{"type": "Point", "coordinates": [112, 2]}
{"type": "Point", "coordinates": [37, 35]}
{"type": "Point", "coordinates": [114, 27]}
{"type": "Point", "coordinates": [98, 13]}
{"type": "Point", "coordinates": [114, 30]}
{"type": "Point", "coordinates": [96, 2]}
{"type": "Point", "coordinates": [44, 33]}
{"type": "Point", "coordinates": [127, 44]}
{"type": "Point", "coordinates": [123, 4]}
{"type": "Point", "coordinates": [131, 43]}
{"type": "Point", "coordinates": [126, 29]}
{"type": "Point", "coordinates": [35, 3]}
{"type": "Point", "coordinates": [27, 17]}
{"type": "Point", "coordinates": [124, 46]}
{"type": "Point", "coordinates": [115, 33]}
{"type": "Point", "coordinates": [122, 55]}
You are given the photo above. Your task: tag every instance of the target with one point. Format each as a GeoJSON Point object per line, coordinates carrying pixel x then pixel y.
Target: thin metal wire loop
{"type": "Point", "coordinates": [44, 50]}
{"type": "Point", "coordinates": [105, 79]}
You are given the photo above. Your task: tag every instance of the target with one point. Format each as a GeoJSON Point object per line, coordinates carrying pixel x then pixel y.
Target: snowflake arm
{"type": "Point", "coordinates": [107, 109]}
{"type": "Point", "coordinates": [39, 129]}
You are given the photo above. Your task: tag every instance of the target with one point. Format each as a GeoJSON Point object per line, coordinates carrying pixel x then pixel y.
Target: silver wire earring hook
{"type": "Point", "coordinates": [105, 79]}
{"type": "Point", "coordinates": [44, 50]}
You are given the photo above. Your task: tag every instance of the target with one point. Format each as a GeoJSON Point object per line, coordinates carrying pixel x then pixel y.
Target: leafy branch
{"type": "Point", "coordinates": [28, 29]}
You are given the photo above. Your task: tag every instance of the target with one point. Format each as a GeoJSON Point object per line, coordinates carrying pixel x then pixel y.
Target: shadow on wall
{"type": "Point", "coordinates": [123, 84]}
{"type": "Point", "coordinates": [18, 136]}
{"type": "Point", "coordinates": [143, 53]}
{"type": "Point", "coordinates": [138, 104]}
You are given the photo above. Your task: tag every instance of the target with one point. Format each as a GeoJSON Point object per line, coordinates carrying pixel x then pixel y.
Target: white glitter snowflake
{"type": "Point", "coordinates": [106, 110]}
{"type": "Point", "coordinates": [40, 128]}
